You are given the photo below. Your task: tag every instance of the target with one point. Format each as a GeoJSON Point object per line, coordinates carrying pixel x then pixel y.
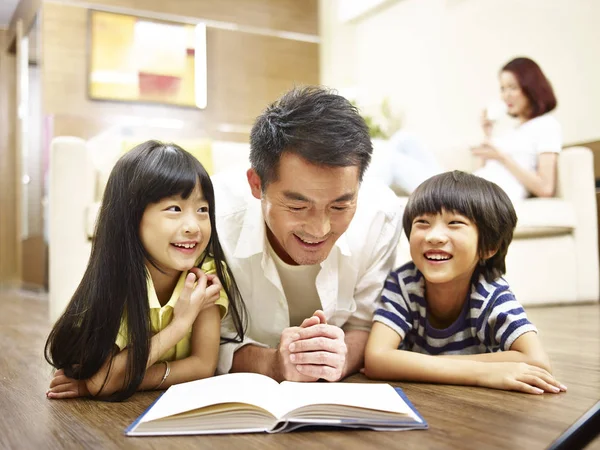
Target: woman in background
{"type": "Point", "coordinates": [521, 161]}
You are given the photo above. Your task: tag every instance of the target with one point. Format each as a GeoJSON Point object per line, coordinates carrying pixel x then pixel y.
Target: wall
{"type": "Point", "coordinates": [246, 71]}
{"type": "Point", "coordinates": [256, 50]}
{"type": "Point", "coordinates": [437, 61]}
{"type": "Point", "coordinates": [284, 15]}
{"type": "Point", "coordinates": [8, 210]}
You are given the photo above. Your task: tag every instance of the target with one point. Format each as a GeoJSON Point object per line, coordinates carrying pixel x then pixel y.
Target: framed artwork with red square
{"type": "Point", "coordinates": [136, 59]}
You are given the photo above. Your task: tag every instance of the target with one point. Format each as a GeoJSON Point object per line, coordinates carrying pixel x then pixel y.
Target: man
{"type": "Point", "coordinates": [303, 236]}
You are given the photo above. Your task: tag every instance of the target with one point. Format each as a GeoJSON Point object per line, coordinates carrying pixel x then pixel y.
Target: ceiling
{"type": "Point", "coordinates": [7, 8]}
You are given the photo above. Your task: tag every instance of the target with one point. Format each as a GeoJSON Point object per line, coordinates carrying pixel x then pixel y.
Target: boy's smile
{"type": "Point", "coordinates": [437, 255]}
{"type": "Point", "coordinates": [444, 248]}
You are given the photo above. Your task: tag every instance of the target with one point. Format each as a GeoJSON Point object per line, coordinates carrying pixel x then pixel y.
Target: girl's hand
{"type": "Point", "coordinates": [192, 299]}
{"type": "Point", "coordinates": [62, 386]}
{"type": "Point", "coordinates": [488, 151]}
{"type": "Point", "coordinates": [513, 376]}
{"type": "Point", "coordinates": [213, 280]}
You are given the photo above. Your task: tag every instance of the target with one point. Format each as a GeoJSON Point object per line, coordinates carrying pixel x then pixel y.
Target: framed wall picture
{"type": "Point", "coordinates": [136, 59]}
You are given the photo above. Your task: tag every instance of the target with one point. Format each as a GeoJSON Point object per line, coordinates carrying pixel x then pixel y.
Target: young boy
{"type": "Point", "coordinates": [449, 316]}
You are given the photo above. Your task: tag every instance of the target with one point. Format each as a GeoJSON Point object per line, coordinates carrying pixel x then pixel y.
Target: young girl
{"type": "Point", "coordinates": [147, 312]}
{"type": "Point", "coordinates": [449, 316]}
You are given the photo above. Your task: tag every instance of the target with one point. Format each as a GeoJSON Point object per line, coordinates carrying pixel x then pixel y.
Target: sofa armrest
{"type": "Point", "coordinates": [576, 185]}
{"type": "Point", "coordinates": [71, 190]}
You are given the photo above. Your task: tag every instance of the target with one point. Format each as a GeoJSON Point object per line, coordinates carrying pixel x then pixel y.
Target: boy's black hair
{"type": "Point", "coordinates": [481, 201]}
{"type": "Point", "coordinates": [315, 123]}
{"type": "Point", "coordinates": [114, 284]}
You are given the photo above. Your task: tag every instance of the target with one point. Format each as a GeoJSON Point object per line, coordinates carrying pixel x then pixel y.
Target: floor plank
{"type": "Point", "coordinates": [459, 417]}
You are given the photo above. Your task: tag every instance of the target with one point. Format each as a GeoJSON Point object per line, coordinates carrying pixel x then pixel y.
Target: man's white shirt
{"type": "Point", "coordinates": [350, 280]}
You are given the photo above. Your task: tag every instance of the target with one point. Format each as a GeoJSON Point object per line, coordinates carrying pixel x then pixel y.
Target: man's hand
{"type": "Point", "coordinates": [286, 368]}
{"type": "Point", "coordinates": [312, 351]}
{"type": "Point", "coordinates": [317, 318]}
{"type": "Point", "coordinates": [320, 352]}
{"type": "Point", "coordinates": [518, 376]}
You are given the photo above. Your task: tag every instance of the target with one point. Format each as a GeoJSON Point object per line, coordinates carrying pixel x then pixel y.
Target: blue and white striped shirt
{"type": "Point", "coordinates": [490, 321]}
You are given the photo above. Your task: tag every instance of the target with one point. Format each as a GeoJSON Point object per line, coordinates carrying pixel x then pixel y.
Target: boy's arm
{"type": "Point", "coordinates": [527, 348]}
{"type": "Point", "coordinates": [508, 329]}
{"type": "Point", "coordinates": [383, 360]}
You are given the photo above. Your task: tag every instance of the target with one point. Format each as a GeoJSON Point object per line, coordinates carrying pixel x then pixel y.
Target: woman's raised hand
{"type": "Point", "coordinates": [193, 299]}
{"type": "Point", "coordinates": [486, 124]}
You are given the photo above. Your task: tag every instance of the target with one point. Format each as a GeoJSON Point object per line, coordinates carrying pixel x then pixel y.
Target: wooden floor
{"type": "Point", "coordinates": [459, 417]}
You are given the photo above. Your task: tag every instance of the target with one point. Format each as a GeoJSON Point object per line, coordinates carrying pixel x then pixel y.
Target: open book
{"type": "Point", "coordinates": [250, 403]}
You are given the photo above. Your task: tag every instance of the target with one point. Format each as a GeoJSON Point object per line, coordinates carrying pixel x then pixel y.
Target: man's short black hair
{"type": "Point", "coordinates": [315, 123]}
{"type": "Point", "coordinates": [481, 201]}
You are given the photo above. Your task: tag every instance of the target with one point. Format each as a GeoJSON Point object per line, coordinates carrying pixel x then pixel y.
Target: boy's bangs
{"type": "Point", "coordinates": [442, 195]}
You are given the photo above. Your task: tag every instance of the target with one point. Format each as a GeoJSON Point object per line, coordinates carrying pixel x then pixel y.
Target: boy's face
{"type": "Point", "coordinates": [444, 248]}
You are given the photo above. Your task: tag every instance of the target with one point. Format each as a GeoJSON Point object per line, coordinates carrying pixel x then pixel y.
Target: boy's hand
{"type": "Point", "coordinates": [518, 376]}
{"type": "Point", "coordinates": [62, 386]}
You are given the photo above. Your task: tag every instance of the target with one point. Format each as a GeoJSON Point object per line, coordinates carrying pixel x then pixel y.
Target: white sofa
{"type": "Point", "coordinates": [553, 258]}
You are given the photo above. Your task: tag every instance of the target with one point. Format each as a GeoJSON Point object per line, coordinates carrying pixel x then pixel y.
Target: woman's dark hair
{"type": "Point", "coordinates": [315, 123]}
{"type": "Point", "coordinates": [534, 85]}
{"type": "Point", "coordinates": [114, 285]}
{"type": "Point", "coordinates": [484, 203]}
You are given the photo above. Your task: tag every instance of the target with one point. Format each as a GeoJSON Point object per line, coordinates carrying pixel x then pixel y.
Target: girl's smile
{"type": "Point", "coordinates": [187, 247]}
{"type": "Point", "coordinates": [175, 231]}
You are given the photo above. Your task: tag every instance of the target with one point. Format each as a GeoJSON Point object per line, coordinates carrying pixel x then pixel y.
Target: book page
{"type": "Point", "coordinates": [251, 388]}
{"type": "Point", "coordinates": [378, 396]}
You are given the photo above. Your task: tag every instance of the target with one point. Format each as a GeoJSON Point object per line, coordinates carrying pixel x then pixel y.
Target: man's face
{"type": "Point", "coordinates": [308, 208]}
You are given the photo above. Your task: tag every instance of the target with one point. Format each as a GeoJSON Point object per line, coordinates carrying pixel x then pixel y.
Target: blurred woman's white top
{"type": "Point", "coordinates": [524, 144]}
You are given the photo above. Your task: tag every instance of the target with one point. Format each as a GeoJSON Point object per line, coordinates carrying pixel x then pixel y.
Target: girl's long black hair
{"type": "Point", "coordinates": [115, 281]}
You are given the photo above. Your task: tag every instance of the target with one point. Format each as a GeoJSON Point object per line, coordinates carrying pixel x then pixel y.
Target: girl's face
{"type": "Point", "coordinates": [175, 231]}
{"type": "Point", "coordinates": [444, 248]}
{"type": "Point", "coordinates": [516, 101]}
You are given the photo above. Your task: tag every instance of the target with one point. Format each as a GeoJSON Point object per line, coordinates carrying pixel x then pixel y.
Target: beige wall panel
{"type": "Point", "coordinates": [8, 206]}
{"type": "Point", "coordinates": [245, 72]}
{"type": "Point", "coordinates": [299, 16]}
{"type": "Point", "coordinates": [248, 71]}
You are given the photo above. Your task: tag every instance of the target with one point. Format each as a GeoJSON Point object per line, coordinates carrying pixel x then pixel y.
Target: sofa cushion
{"type": "Point", "coordinates": [544, 217]}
